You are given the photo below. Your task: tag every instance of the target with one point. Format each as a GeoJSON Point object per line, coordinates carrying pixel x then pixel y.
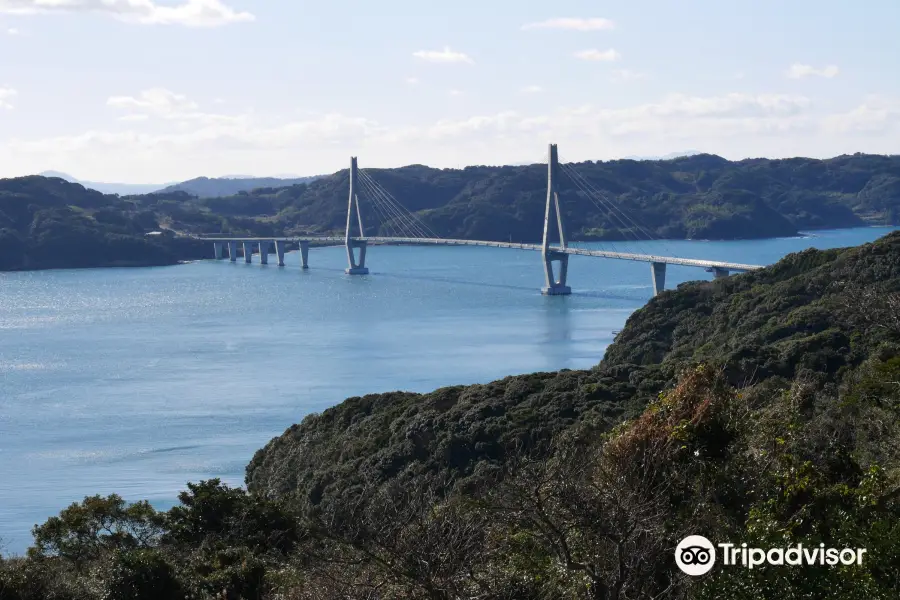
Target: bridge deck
{"type": "Point", "coordinates": [650, 258]}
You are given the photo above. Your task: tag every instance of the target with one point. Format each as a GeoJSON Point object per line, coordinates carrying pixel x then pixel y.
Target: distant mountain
{"type": "Point", "coordinates": [669, 156]}
{"type": "Point", "coordinates": [205, 187]}
{"type": "Point", "coordinates": [123, 189]}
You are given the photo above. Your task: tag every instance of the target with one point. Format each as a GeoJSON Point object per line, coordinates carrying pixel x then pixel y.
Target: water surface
{"type": "Point", "coordinates": [136, 381]}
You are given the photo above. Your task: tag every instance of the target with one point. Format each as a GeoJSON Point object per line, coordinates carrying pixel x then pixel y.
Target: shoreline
{"type": "Point", "coordinates": [804, 234]}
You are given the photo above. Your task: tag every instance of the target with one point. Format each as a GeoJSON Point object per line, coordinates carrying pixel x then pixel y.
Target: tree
{"type": "Point", "coordinates": [84, 531]}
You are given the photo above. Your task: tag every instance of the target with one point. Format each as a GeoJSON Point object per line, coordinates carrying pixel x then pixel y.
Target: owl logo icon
{"type": "Point", "coordinates": [695, 555]}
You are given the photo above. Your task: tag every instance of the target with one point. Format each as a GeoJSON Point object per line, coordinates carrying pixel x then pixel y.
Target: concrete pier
{"type": "Point", "coordinates": [554, 286]}
{"type": "Point", "coordinates": [356, 267]}
{"type": "Point", "coordinates": [304, 254]}
{"type": "Point", "coordinates": [248, 252]}
{"type": "Point", "coordinates": [217, 249]}
{"type": "Point", "coordinates": [232, 251]}
{"type": "Point", "coordinates": [659, 277]}
{"type": "Point", "coordinates": [718, 272]}
{"type": "Point", "coordinates": [279, 250]}
{"type": "Point", "coordinates": [264, 252]}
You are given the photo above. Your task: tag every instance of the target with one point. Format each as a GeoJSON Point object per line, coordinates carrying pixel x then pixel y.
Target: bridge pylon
{"type": "Point", "coordinates": [550, 254]}
{"type": "Point", "coordinates": [352, 242]}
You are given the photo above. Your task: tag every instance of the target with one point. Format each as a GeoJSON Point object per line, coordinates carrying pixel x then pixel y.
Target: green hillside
{"type": "Point", "coordinates": [48, 223]}
{"type": "Point", "coordinates": [696, 197]}
{"type": "Point", "coordinates": [761, 409]}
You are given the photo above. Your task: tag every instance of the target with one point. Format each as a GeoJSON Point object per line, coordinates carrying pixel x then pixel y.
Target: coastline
{"type": "Point", "coordinates": [802, 234]}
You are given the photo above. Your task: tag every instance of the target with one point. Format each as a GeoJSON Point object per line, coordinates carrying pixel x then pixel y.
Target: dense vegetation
{"type": "Point", "coordinates": [49, 223]}
{"type": "Point", "coordinates": [763, 408]}
{"type": "Point", "coordinates": [696, 197]}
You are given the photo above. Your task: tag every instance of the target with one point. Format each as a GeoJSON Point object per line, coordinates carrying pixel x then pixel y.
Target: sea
{"type": "Point", "coordinates": [137, 381]}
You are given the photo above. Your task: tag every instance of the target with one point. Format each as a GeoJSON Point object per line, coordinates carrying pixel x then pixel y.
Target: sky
{"type": "Point", "coordinates": [154, 91]}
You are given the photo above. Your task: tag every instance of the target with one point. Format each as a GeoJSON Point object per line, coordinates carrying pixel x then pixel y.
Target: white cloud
{"type": "Point", "coordinates": [13, 31]}
{"type": "Point", "coordinates": [676, 114]}
{"type": "Point", "coordinates": [798, 71]}
{"type": "Point", "coordinates": [134, 117]}
{"type": "Point", "coordinates": [456, 92]}
{"type": "Point", "coordinates": [165, 104]}
{"type": "Point", "coordinates": [190, 13]}
{"type": "Point", "coordinates": [596, 55]}
{"type": "Point", "coordinates": [736, 125]}
{"type": "Point", "coordinates": [627, 75]}
{"type": "Point", "coordinates": [572, 24]}
{"type": "Point", "coordinates": [443, 56]}
{"type": "Point", "coordinates": [156, 100]}
{"type": "Point", "coordinates": [6, 95]}
{"type": "Point", "coordinates": [532, 89]}
{"type": "Point", "coordinates": [875, 114]}
{"type": "Point", "coordinates": [412, 80]}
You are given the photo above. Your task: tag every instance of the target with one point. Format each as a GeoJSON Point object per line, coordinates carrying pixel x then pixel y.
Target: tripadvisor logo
{"type": "Point", "coordinates": [696, 555]}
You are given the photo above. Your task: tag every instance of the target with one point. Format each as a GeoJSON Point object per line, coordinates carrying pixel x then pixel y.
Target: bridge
{"type": "Point", "coordinates": [408, 229]}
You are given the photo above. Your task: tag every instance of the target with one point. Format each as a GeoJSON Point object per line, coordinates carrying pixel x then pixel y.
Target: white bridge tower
{"type": "Point", "coordinates": [550, 254]}
{"type": "Point", "coordinates": [356, 267]}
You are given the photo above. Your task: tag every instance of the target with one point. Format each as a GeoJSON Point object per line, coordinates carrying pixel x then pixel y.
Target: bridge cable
{"type": "Point", "coordinates": [386, 221]}
{"type": "Point", "coordinates": [634, 224]}
{"type": "Point", "coordinates": [626, 228]}
{"type": "Point", "coordinates": [420, 225]}
{"type": "Point", "coordinates": [603, 198]}
{"type": "Point", "coordinates": [576, 175]}
{"type": "Point", "coordinates": [593, 196]}
{"type": "Point", "coordinates": [414, 221]}
{"type": "Point", "coordinates": [394, 221]}
{"type": "Point", "coordinates": [397, 216]}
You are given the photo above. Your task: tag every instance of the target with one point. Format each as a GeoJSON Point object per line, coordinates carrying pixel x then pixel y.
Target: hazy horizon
{"type": "Point", "coordinates": [168, 90]}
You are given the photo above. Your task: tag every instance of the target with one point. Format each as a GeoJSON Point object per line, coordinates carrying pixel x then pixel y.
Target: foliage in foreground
{"type": "Point", "coordinates": [583, 509]}
{"type": "Point", "coordinates": [598, 519]}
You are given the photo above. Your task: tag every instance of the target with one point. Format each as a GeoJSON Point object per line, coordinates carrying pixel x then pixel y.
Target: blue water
{"type": "Point", "coordinates": [136, 381]}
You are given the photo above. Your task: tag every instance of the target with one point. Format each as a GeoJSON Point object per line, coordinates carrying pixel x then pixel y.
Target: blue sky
{"type": "Point", "coordinates": [163, 90]}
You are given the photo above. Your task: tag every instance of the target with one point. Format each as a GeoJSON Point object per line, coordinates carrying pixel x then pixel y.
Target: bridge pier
{"type": "Point", "coordinates": [217, 250]}
{"type": "Point", "coordinates": [279, 250]}
{"type": "Point", "coordinates": [304, 254]}
{"type": "Point", "coordinates": [232, 251]}
{"type": "Point", "coordinates": [659, 277]}
{"type": "Point", "coordinates": [356, 268]}
{"type": "Point", "coordinates": [718, 272]}
{"type": "Point", "coordinates": [248, 252]}
{"type": "Point", "coordinates": [264, 252]}
{"type": "Point", "coordinates": [556, 287]}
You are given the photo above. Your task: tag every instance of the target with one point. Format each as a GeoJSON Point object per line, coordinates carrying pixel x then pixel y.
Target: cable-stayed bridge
{"type": "Point", "coordinates": [403, 227]}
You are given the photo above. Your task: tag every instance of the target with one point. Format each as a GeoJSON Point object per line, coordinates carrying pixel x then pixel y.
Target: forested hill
{"type": "Point", "coordinates": [814, 314]}
{"type": "Point", "coordinates": [696, 197]}
{"type": "Point", "coordinates": [48, 223]}
{"type": "Point", "coordinates": [762, 409]}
